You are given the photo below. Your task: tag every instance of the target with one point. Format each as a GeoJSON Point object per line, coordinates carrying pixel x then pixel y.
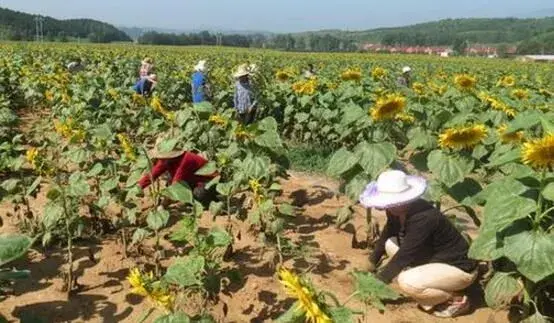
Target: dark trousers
{"type": "Point", "coordinates": [205, 196]}
{"type": "Point", "coordinates": [247, 117]}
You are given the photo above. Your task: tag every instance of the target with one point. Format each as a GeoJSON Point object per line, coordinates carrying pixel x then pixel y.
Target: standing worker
{"type": "Point", "coordinates": [244, 101]}
{"type": "Point", "coordinates": [405, 80]}
{"type": "Point", "coordinates": [426, 251]}
{"type": "Point", "coordinates": [201, 90]}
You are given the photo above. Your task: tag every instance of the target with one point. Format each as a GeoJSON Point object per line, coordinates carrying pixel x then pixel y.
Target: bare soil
{"type": "Point", "coordinates": [102, 268]}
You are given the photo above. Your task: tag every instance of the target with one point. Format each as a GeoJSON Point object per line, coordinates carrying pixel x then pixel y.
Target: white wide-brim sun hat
{"type": "Point", "coordinates": [200, 66]}
{"type": "Point", "coordinates": [406, 69]}
{"type": "Point", "coordinates": [393, 188]}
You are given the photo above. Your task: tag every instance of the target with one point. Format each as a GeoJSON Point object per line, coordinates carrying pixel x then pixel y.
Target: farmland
{"type": "Point", "coordinates": [82, 243]}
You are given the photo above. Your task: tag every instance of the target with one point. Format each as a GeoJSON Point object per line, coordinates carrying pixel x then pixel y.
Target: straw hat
{"type": "Point", "coordinates": [393, 188]}
{"type": "Point", "coordinates": [158, 152]}
{"type": "Point", "coordinates": [200, 66]}
{"type": "Point", "coordinates": [406, 69]}
{"type": "Point", "coordinates": [147, 60]}
{"type": "Point", "coordinates": [243, 70]}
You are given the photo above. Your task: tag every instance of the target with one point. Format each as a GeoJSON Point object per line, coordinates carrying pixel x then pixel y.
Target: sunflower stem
{"type": "Point", "coordinates": [146, 315]}
{"type": "Point", "coordinates": [356, 293]}
{"type": "Point", "coordinates": [333, 297]}
{"type": "Point", "coordinates": [540, 201]}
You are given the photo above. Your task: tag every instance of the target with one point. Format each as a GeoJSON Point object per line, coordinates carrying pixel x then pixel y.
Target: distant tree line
{"type": "Point", "coordinates": [287, 42]}
{"type": "Point", "coordinates": [16, 25]}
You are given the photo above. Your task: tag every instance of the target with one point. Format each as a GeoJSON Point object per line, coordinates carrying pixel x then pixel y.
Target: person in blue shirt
{"type": "Point", "coordinates": [200, 85]}
{"type": "Point", "coordinates": [146, 85]}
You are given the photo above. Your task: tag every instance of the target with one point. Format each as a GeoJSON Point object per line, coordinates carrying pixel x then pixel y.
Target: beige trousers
{"type": "Point", "coordinates": [430, 284]}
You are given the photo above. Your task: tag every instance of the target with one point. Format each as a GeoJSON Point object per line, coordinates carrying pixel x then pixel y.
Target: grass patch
{"type": "Point", "coordinates": [309, 158]}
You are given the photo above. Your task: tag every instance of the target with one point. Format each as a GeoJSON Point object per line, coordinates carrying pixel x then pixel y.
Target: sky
{"type": "Point", "coordinates": [276, 15]}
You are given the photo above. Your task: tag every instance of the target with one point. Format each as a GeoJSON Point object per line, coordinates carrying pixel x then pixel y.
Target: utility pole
{"type": "Point", "coordinates": [39, 26]}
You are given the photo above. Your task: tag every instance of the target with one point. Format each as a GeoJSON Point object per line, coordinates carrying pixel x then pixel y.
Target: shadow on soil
{"type": "Point", "coordinates": [79, 307]}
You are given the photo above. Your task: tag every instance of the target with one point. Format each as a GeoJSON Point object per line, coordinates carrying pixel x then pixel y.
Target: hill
{"type": "Point", "coordinates": [136, 32]}
{"type": "Point", "coordinates": [444, 32]}
{"type": "Point", "coordinates": [15, 25]}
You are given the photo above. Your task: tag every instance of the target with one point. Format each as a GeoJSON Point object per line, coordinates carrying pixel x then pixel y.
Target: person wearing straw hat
{"type": "Point", "coordinates": [181, 165]}
{"type": "Point", "coordinates": [309, 72]}
{"type": "Point", "coordinates": [76, 66]}
{"type": "Point", "coordinates": [405, 80]}
{"type": "Point", "coordinates": [426, 251]}
{"type": "Point", "coordinates": [146, 67]}
{"type": "Point", "coordinates": [146, 85]}
{"type": "Point", "coordinates": [244, 101]}
{"type": "Point", "coordinates": [200, 86]}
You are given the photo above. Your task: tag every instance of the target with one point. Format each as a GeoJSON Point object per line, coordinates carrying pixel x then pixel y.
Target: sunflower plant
{"type": "Point", "coordinates": [516, 234]}
{"type": "Point", "coordinates": [310, 304]}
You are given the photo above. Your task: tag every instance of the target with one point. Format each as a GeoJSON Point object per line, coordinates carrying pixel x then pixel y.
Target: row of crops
{"type": "Point", "coordinates": [482, 131]}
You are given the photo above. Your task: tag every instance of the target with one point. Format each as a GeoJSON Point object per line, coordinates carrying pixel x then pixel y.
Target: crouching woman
{"type": "Point", "coordinates": [426, 251]}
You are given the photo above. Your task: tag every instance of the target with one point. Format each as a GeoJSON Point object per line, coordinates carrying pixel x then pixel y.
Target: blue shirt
{"type": "Point", "coordinates": [143, 86]}
{"type": "Point", "coordinates": [243, 97]}
{"type": "Point", "coordinates": [198, 83]}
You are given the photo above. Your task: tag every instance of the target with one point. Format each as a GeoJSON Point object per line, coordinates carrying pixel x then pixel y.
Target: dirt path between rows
{"type": "Point", "coordinates": [104, 295]}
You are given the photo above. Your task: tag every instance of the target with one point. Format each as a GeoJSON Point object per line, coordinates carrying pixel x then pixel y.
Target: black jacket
{"type": "Point", "coordinates": [428, 237]}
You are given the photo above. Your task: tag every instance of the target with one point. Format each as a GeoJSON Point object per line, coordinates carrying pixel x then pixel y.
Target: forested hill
{"type": "Point", "coordinates": [15, 25]}
{"type": "Point", "coordinates": [443, 32]}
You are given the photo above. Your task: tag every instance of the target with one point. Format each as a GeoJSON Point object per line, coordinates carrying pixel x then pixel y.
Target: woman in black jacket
{"type": "Point", "coordinates": [427, 253]}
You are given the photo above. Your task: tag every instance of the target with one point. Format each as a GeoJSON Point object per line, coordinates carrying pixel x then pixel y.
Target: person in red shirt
{"type": "Point", "coordinates": [181, 165]}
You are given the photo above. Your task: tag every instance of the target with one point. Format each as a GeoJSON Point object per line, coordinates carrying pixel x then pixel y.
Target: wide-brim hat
{"type": "Point", "coordinates": [393, 188]}
{"type": "Point", "coordinates": [243, 70]}
{"type": "Point", "coordinates": [406, 69]}
{"type": "Point", "coordinates": [147, 60]}
{"type": "Point", "coordinates": [158, 151]}
{"type": "Point", "coordinates": [200, 66]}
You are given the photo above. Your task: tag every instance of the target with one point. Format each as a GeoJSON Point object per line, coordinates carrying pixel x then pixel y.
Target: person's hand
{"type": "Point", "coordinates": [371, 267]}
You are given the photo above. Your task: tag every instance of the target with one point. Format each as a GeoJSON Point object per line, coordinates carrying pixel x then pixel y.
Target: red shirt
{"type": "Point", "coordinates": [181, 169]}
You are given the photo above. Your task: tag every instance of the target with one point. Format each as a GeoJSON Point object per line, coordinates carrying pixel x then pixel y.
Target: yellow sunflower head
{"type": "Point", "coordinates": [241, 133]}
{"type": "Point", "coordinates": [162, 299]}
{"type": "Point", "coordinates": [218, 120]}
{"type": "Point", "coordinates": [462, 137]}
{"type": "Point", "coordinates": [378, 73]}
{"type": "Point", "coordinates": [520, 94]}
{"type": "Point", "coordinates": [511, 137]}
{"type": "Point", "coordinates": [351, 74]}
{"type": "Point", "coordinates": [507, 81]}
{"type": "Point", "coordinates": [388, 107]}
{"type": "Point", "coordinates": [113, 93]}
{"type": "Point", "coordinates": [465, 82]}
{"type": "Point", "coordinates": [305, 296]}
{"type": "Point", "coordinates": [539, 153]}
{"type": "Point", "coordinates": [32, 155]}
{"type": "Point", "coordinates": [284, 75]}
{"type": "Point", "coordinates": [139, 281]}
{"type": "Point", "coordinates": [438, 89]}
{"type": "Point", "coordinates": [418, 88]}
{"type": "Point", "coordinates": [307, 87]}
{"type": "Point", "coordinates": [49, 95]}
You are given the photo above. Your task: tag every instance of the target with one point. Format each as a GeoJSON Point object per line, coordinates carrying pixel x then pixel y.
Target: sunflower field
{"type": "Point", "coordinates": [73, 146]}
